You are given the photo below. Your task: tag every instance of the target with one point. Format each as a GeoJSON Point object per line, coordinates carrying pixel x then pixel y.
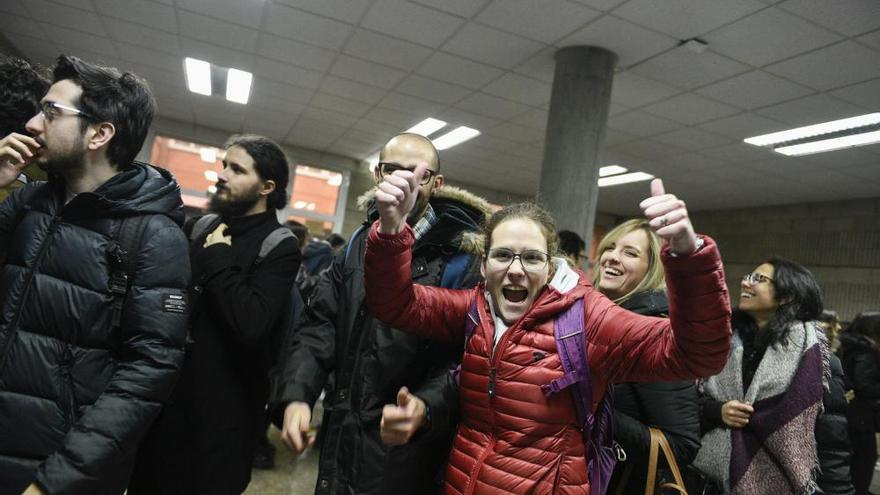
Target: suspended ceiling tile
{"type": "Point", "coordinates": [769, 36]}
{"type": "Point", "coordinates": [491, 46]}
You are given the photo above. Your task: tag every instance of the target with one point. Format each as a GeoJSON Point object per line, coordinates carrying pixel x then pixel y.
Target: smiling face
{"type": "Point", "coordinates": [624, 264]}
{"type": "Point", "coordinates": [513, 288]}
{"type": "Point", "coordinates": [758, 298]}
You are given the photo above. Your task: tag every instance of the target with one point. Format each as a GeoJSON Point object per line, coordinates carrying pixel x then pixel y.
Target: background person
{"type": "Point", "coordinates": [860, 355]}
{"type": "Point", "coordinates": [630, 273]}
{"type": "Point", "coordinates": [764, 426]}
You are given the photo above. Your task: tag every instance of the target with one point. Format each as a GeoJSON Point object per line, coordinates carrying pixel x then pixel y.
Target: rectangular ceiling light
{"type": "Point", "coordinates": [830, 144]}
{"type": "Point", "coordinates": [814, 130]}
{"type": "Point", "coordinates": [427, 127]}
{"type": "Point", "coordinates": [238, 86]}
{"type": "Point", "coordinates": [198, 76]}
{"type": "Point", "coordinates": [455, 137]}
{"type": "Point", "coordinates": [624, 179]}
{"type": "Point", "coordinates": [611, 170]}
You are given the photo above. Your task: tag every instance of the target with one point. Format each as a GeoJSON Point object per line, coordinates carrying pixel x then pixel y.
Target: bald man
{"type": "Point", "coordinates": [389, 422]}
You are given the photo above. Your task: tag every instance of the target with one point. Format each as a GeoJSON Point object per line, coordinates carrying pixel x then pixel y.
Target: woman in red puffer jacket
{"type": "Point", "coordinates": [513, 438]}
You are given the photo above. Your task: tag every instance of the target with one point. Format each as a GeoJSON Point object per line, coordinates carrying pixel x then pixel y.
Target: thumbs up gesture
{"type": "Point", "coordinates": [396, 197]}
{"type": "Point", "coordinates": [668, 217]}
{"type": "Point", "coordinates": [400, 422]}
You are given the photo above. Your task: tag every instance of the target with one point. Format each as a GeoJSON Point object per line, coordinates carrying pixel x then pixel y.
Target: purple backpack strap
{"type": "Point", "coordinates": [598, 429]}
{"type": "Point", "coordinates": [470, 326]}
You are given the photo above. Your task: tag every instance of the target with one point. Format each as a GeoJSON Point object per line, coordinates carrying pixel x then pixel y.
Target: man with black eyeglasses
{"type": "Point", "coordinates": [93, 281]}
{"type": "Point", "coordinates": [388, 424]}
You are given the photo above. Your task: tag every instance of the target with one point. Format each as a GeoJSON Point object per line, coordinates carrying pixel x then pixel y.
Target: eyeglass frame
{"type": "Point", "coordinates": [753, 279]}
{"type": "Point", "coordinates": [429, 174]}
{"type": "Point", "coordinates": [60, 106]}
{"type": "Point", "coordinates": [519, 256]}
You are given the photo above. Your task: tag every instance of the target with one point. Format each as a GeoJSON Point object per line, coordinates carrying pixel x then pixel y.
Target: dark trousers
{"type": "Point", "coordinates": [864, 457]}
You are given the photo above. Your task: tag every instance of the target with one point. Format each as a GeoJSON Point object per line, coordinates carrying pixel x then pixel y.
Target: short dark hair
{"type": "Point", "coordinates": [867, 324]}
{"type": "Point", "coordinates": [571, 244]}
{"type": "Point", "coordinates": [21, 88]}
{"type": "Point", "coordinates": [270, 163]}
{"type": "Point", "coordinates": [335, 240]}
{"type": "Point", "coordinates": [123, 99]}
{"type": "Point", "coordinates": [300, 231]}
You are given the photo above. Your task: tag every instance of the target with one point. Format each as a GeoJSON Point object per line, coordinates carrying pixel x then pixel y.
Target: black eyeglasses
{"type": "Point", "coordinates": [388, 168]}
{"type": "Point", "coordinates": [531, 260]}
{"type": "Point", "coordinates": [52, 110]}
{"type": "Point", "coordinates": [755, 279]}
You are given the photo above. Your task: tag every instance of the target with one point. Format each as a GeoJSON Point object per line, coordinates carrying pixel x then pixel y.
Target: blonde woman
{"type": "Point", "coordinates": [630, 273]}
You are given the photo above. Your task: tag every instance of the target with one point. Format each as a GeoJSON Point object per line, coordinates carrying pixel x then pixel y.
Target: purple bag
{"type": "Point", "coordinates": [598, 429]}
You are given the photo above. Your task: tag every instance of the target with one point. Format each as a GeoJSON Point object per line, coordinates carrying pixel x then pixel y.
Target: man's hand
{"type": "Point", "coordinates": [294, 431]}
{"type": "Point", "coordinates": [736, 414]}
{"type": "Point", "coordinates": [396, 197]}
{"type": "Point", "coordinates": [16, 152]}
{"type": "Point", "coordinates": [33, 489]}
{"type": "Point", "coordinates": [668, 217]}
{"type": "Point", "coordinates": [218, 236]}
{"type": "Point", "coordinates": [400, 422]}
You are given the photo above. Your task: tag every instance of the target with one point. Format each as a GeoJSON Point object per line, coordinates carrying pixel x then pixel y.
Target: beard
{"type": "Point", "coordinates": [59, 162]}
{"type": "Point", "coordinates": [234, 205]}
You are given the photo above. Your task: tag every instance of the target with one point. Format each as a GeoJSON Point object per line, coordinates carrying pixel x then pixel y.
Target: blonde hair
{"type": "Point", "coordinates": [654, 278]}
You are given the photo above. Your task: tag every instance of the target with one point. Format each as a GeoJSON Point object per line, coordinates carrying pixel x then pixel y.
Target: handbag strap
{"type": "Point", "coordinates": [658, 443]}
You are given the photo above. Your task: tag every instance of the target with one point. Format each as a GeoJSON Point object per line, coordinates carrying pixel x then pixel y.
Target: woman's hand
{"type": "Point", "coordinates": [668, 217]}
{"type": "Point", "coordinates": [396, 197]}
{"type": "Point", "coordinates": [736, 414]}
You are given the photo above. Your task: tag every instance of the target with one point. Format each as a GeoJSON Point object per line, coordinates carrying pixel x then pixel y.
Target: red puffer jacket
{"type": "Point", "coordinates": [519, 440]}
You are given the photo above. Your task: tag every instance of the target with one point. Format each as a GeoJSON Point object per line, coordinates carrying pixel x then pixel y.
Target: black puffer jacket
{"type": "Point", "coordinates": [76, 394]}
{"type": "Point", "coordinates": [371, 361]}
{"type": "Point", "coordinates": [670, 406]}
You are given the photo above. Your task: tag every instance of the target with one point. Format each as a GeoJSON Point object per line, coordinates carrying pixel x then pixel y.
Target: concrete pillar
{"type": "Point", "coordinates": [576, 135]}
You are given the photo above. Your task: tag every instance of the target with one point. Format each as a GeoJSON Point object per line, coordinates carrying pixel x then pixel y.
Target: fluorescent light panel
{"type": "Point", "coordinates": [624, 179]}
{"type": "Point", "coordinates": [830, 144]}
{"type": "Point", "coordinates": [455, 137]}
{"type": "Point", "coordinates": [611, 170]}
{"type": "Point", "coordinates": [198, 76]}
{"type": "Point", "coordinates": [427, 127]}
{"type": "Point", "coordinates": [814, 130]}
{"type": "Point", "coordinates": [238, 86]}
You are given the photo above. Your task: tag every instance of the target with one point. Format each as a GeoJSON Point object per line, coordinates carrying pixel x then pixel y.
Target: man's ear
{"type": "Point", "coordinates": [268, 187]}
{"type": "Point", "coordinates": [104, 132]}
{"type": "Point", "coordinates": [438, 182]}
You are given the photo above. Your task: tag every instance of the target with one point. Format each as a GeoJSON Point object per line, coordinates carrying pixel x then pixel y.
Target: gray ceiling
{"type": "Point", "coordinates": [343, 75]}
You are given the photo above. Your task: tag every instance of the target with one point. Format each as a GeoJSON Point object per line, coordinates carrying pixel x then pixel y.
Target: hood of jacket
{"type": "Point", "coordinates": [138, 190]}
{"type": "Point", "coordinates": [317, 248]}
{"type": "Point", "coordinates": [461, 216]}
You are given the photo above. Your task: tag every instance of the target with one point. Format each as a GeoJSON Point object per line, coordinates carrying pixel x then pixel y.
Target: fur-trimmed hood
{"type": "Point", "coordinates": [451, 193]}
{"type": "Point", "coordinates": [477, 208]}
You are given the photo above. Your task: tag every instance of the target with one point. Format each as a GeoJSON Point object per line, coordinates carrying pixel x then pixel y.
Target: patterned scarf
{"type": "Point", "coordinates": [776, 452]}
